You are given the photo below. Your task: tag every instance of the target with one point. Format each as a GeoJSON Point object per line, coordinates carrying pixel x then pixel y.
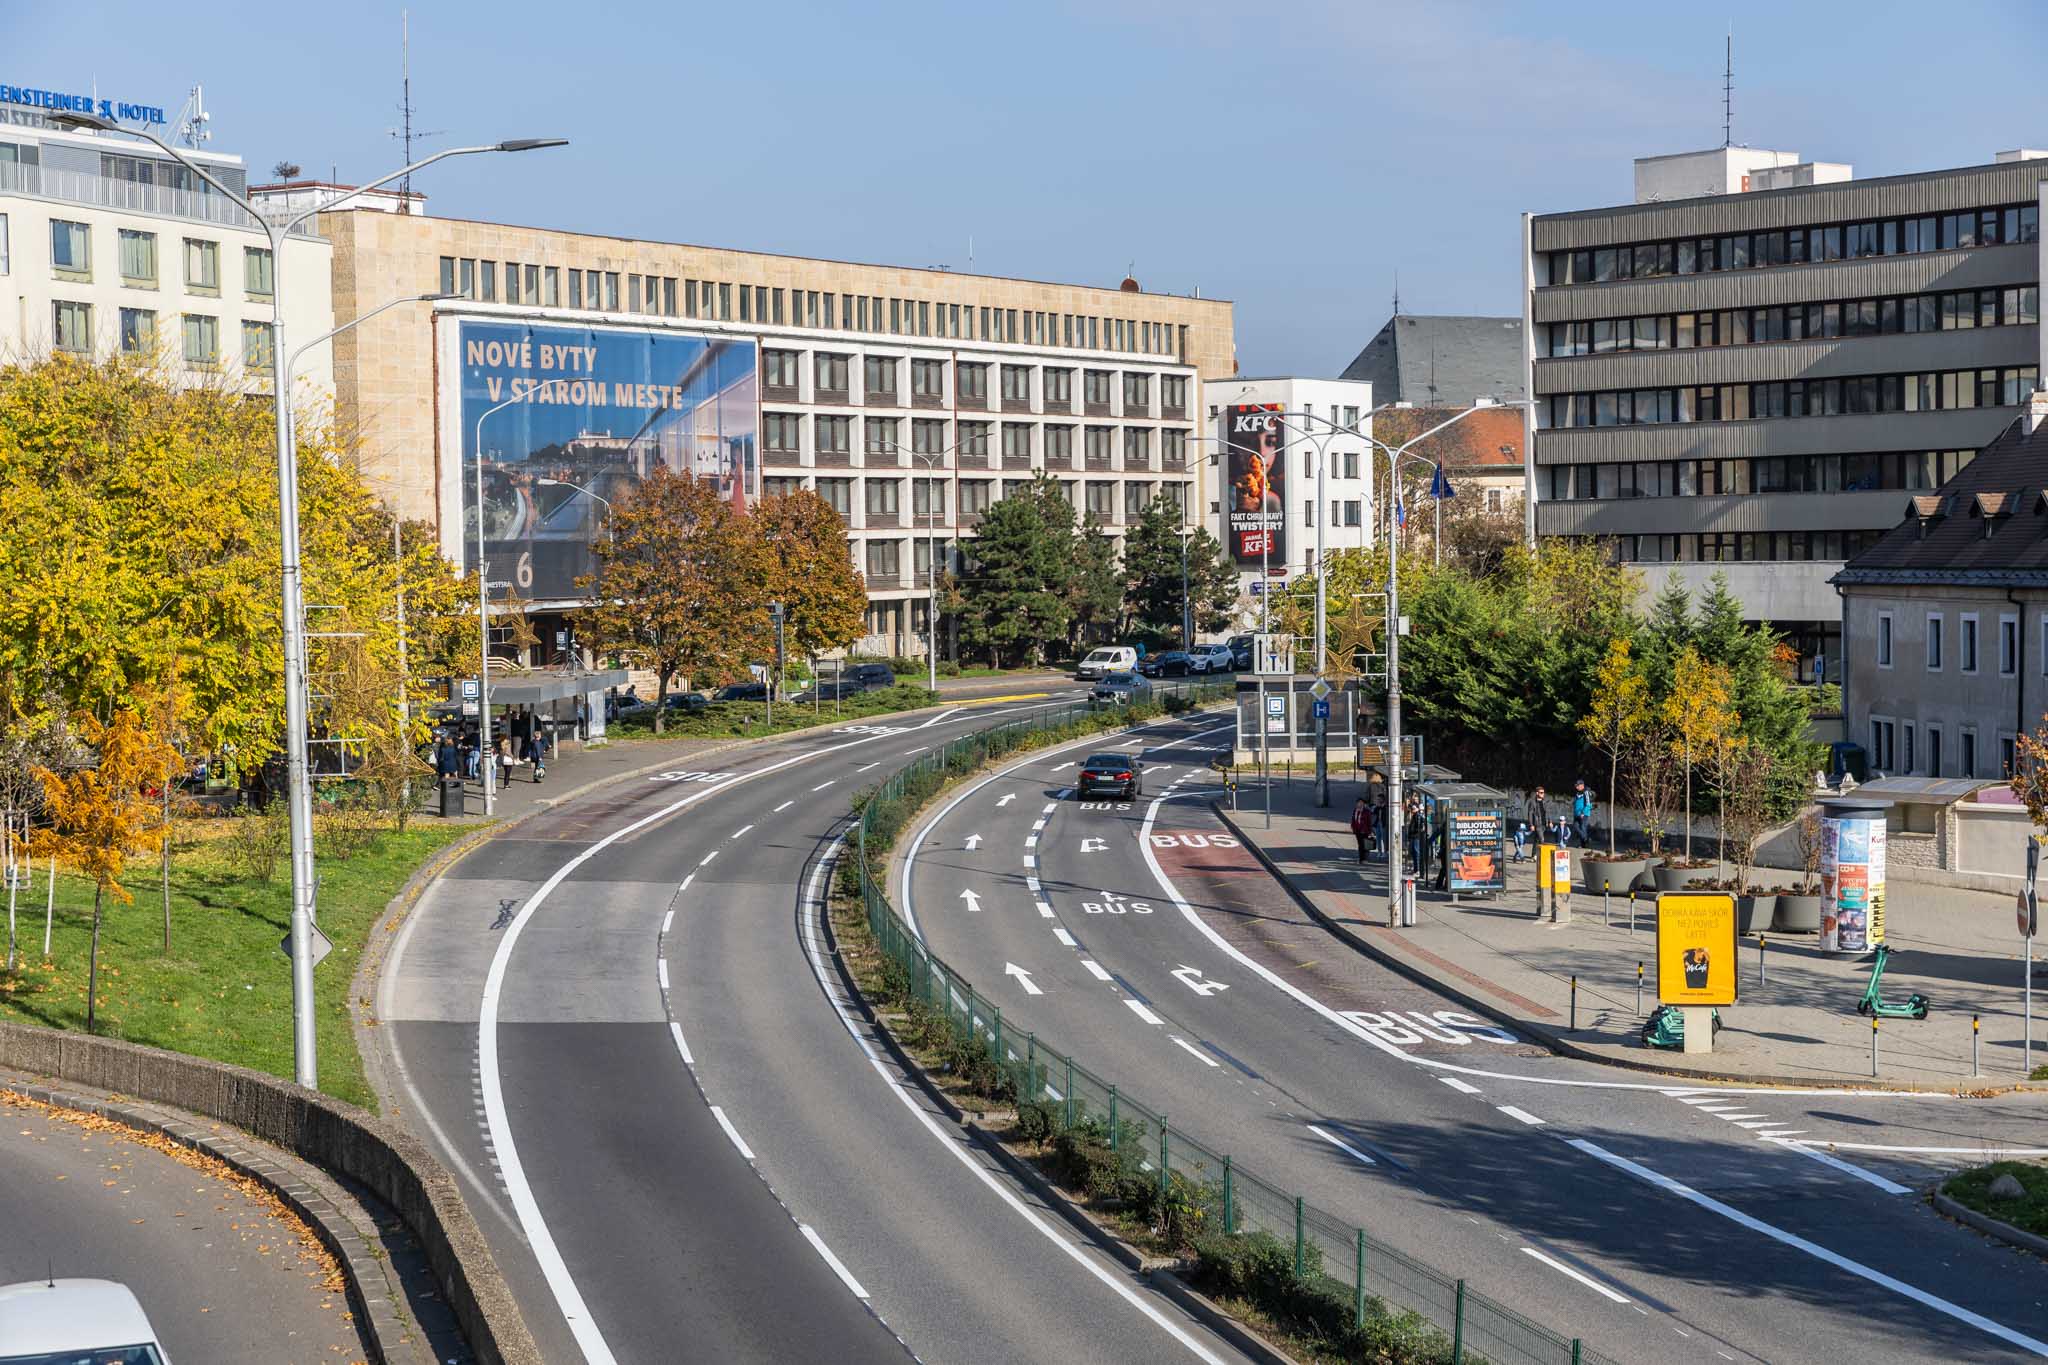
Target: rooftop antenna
{"type": "Point", "coordinates": [406, 109]}
{"type": "Point", "coordinates": [1728, 93]}
{"type": "Point", "coordinates": [193, 119]}
{"type": "Point", "coordinates": [1397, 293]}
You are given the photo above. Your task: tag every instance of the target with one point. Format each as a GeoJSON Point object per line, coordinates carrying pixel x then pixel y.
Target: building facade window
{"type": "Point", "coordinates": [1016, 383]}
{"type": "Point", "coordinates": [138, 258]}
{"type": "Point", "coordinates": [779, 369]}
{"type": "Point", "coordinates": [1911, 470]}
{"type": "Point", "coordinates": [202, 339]}
{"type": "Point", "coordinates": [1099, 446]}
{"type": "Point", "coordinates": [259, 276]}
{"type": "Point", "coordinates": [1095, 387]}
{"type": "Point", "coordinates": [833, 434]}
{"type": "Point", "coordinates": [879, 372]}
{"type": "Point", "coordinates": [783, 432]}
{"type": "Point", "coordinates": [1920, 391]}
{"type": "Point", "coordinates": [1969, 646]}
{"type": "Point", "coordinates": [1884, 639]}
{"type": "Point", "coordinates": [928, 379]}
{"type": "Point", "coordinates": [202, 266]}
{"type": "Point", "coordinates": [974, 439]}
{"type": "Point", "coordinates": [927, 494]}
{"type": "Point", "coordinates": [258, 353]}
{"type": "Point", "coordinates": [975, 496]}
{"type": "Point", "coordinates": [780, 486]}
{"type": "Point", "coordinates": [2008, 646]}
{"type": "Point", "coordinates": [885, 560]}
{"type": "Point", "coordinates": [1137, 447]}
{"type": "Point", "coordinates": [878, 437]}
{"type": "Point", "coordinates": [1016, 441]}
{"type": "Point", "coordinates": [1883, 744]}
{"type": "Point", "coordinates": [1101, 499]}
{"type": "Point", "coordinates": [1173, 395]}
{"type": "Point", "coordinates": [1173, 447]}
{"type": "Point", "coordinates": [973, 382]}
{"type": "Point", "coordinates": [71, 326]}
{"type": "Point", "coordinates": [928, 436]}
{"type": "Point", "coordinates": [831, 374]}
{"type": "Point", "coordinates": [6, 252]}
{"type": "Point", "coordinates": [1137, 393]}
{"type": "Point", "coordinates": [70, 249]}
{"type": "Point", "coordinates": [838, 495]}
{"type": "Point", "coordinates": [1934, 644]}
{"type": "Point", "coordinates": [884, 497]}
{"type": "Point", "coordinates": [1059, 387]}
{"type": "Point", "coordinates": [1059, 446]}
{"type": "Point", "coordinates": [551, 286]}
{"type": "Point", "coordinates": [1966, 755]}
{"type": "Point", "coordinates": [138, 331]}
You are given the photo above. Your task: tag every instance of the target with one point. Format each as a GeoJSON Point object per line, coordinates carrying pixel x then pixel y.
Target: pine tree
{"type": "Point", "coordinates": [1152, 575]}
{"type": "Point", "coordinates": [1015, 593]}
{"type": "Point", "coordinates": [1097, 588]}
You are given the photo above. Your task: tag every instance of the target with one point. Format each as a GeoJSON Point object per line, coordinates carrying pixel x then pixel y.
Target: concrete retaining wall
{"type": "Point", "coordinates": [339, 1138]}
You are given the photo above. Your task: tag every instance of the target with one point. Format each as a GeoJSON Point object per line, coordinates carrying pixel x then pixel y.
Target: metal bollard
{"type": "Point", "coordinates": [1575, 1003]}
{"type": "Point", "coordinates": [1606, 903]}
{"type": "Point", "coordinates": [1976, 1037]}
{"type": "Point", "coordinates": [1639, 988]}
{"type": "Point", "coordinates": [1873, 1045]}
{"type": "Point", "coordinates": [1631, 909]}
{"type": "Point", "coordinates": [1761, 941]}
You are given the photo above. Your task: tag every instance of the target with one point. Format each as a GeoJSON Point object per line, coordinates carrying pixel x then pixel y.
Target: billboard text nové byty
{"type": "Point", "coordinates": [1258, 483]}
{"type": "Point", "coordinates": [589, 412]}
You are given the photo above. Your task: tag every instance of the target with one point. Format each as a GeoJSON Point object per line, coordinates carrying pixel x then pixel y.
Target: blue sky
{"type": "Point", "coordinates": [1292, 157]}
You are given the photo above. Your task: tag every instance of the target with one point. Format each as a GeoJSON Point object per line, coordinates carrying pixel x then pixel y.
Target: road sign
{"type": "Point", "coordinates": [1276, 706]}
{"type": "Point", "coordinates": [1320, 710]}
{"type": "Point", "coordinates": [2029, 916]}
{"type": "Point", "coordinates": [469, 689]}
{"type": "Point", "coordinates": [322, 945]}
{"type": "Point", "coordinates": [1273, 655]}
{"type": "Point", "coordinates": [1320, 689]}
{"type": "Point", "coordinates": [1696, 948]}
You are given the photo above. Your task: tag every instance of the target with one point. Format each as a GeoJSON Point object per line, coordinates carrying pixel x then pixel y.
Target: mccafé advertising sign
{"type": "Point", "coordinates": [1252, 516]}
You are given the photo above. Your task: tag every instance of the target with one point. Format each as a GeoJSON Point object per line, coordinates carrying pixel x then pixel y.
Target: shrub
{"type": "Point", "coordinates": [1036, 1120]}
{"type": "Point", "coordinates": [256, 841]}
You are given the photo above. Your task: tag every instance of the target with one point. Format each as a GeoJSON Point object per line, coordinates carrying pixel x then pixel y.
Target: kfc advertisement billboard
{"type": "Point", "coordinates": [1253, 519]}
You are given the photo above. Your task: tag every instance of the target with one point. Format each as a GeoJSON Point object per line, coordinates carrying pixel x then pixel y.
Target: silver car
{"type": "Point", "coordinates": [1123, 687]}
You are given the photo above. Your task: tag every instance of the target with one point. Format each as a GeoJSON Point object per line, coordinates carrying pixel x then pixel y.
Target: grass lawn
{"type": "Point", "coordinates": [748, 719]}
{"type": "Point", "coordinates": [224, 990]}
{"type": "Point", "coordinates": [2028, 1215]}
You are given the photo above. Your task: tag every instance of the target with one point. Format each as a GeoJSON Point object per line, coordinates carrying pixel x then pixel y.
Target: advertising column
{"type": "Point", "coordinates": [1852, 875]}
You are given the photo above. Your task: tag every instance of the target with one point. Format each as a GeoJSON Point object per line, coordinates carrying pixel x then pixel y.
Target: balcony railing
{"type": "Point", "coordinates": [102, 191]}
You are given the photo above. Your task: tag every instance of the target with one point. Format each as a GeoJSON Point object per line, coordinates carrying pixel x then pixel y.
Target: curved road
{"type": "Point", "coordinates": [1654, 1220]}
{"type": "Point", "coordinates": [618, 1026]}
{"type": "Point", "coordinates": [222, 1276]}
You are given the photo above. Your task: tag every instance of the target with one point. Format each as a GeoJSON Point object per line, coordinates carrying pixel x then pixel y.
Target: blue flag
{"type": "Point", "coordinates": [1400, 510]}
{"type": "Point", "coordinates": [1439, 486]}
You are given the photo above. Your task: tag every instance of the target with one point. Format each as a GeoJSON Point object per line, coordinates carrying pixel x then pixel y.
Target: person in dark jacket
{"type": "Point", "coordinates": [1538, 814]}
{"type": "Point", "coordinates": [1361, 826]}
{"type": "Point", "coordinates": [447, 762]}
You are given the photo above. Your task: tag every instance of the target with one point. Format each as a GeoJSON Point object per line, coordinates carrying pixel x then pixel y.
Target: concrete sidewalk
{"type": "Point", "coordinates": [1798, 1025]}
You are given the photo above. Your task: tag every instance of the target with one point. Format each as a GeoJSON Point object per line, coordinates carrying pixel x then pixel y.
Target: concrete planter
{"type": "Point", "coordinates": [1671, 878]}
{"type": "Point", "coordinates": [1754, 913]}
{"type": "Point", "coordinates": [1797, 915]}
{"type": "Point", "coordinates": [1619, 874]}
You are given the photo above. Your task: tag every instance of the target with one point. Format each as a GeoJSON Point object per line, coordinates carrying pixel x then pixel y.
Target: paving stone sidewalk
{"type": "Point", "coordinates": [1799, 1024]}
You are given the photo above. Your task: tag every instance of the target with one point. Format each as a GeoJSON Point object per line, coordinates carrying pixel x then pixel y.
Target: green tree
{"type": "Point", "coordinates": [681, 583]}
{"type": "Point", "coordinates": [1152, 575]}
{"type": "Point", "coordinates": [1615, 716]}
{"type": "Point", "coordinates": [810, 571]}
{"type": "Point", "coordinates": [1667, 632]}
{"type": "Point", "coordinates": [1097, 585]}
{"type": "Point", "coordinates": [1016, 591]}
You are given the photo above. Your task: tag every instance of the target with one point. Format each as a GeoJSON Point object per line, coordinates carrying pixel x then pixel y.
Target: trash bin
{"type": "Point", "coordinates": [451, 798]}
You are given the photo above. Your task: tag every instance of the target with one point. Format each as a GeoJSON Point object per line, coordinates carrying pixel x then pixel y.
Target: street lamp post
{"type": "Point", "coordinates": [1187, 609]}
{"type": "Point", "coordinates": [487, 760]}
{"type": "Point", "coordinates": [304, 1039]}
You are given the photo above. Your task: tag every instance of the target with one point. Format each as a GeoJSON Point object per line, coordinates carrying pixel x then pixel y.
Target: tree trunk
{"type": "Point", "coordinates": [1688, 798]}
{"type": "Point", "coordinates": [660, 698]}
{"type": "Point", "coordinates": [92, 971]}
{"type": "Point", "coordinates": [167, 869]}
{"type": "Point", "coordinates": [1613, 776]}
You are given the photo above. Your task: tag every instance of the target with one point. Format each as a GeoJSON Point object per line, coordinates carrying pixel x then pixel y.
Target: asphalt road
{"type": "Point", "coordinates": [616, 1024]}
{"type": "Point", "coordinates": [1653, 1220]}
{"type": "Point", "coordinates": [222, 1277]}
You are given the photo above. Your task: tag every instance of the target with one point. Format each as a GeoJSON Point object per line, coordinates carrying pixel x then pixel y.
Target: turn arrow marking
{"type": "Point", "coordinates": [970, 842]}
{"type": "Point", "coordinates": [973, 901]}
{"type": "Point", "coordinates": [1191, 977]}
{"type": "Point", "coordinates": [1023, 978]}
{"type": "Point", "coordinates": [1007, 799]}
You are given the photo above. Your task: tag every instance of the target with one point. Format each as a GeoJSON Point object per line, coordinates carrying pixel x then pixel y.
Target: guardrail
{"type": "Point", "coordinates": [1330, 1254]}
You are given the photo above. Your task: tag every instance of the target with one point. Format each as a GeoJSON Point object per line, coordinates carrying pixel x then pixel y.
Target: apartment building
{"type": "Point", "coordinates": [910, 399]}
{"type": "Point", "coordinates": [1748, 369]}
{"type": "Point", "coordinates": [108, 246]}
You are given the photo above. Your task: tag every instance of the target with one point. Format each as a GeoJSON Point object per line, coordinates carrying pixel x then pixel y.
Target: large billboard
{"type": "Point", "coordinates": [569, 419]}
{"type": "Point", "coordinates": [1253, 517]}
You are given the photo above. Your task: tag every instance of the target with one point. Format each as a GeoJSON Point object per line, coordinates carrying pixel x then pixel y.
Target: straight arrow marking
{"type": "Point", "coordinates": [1023, 978]}
{"type": "Point", "coordinates": [973, 901]}
{"type": "Point", "coordinates": [970, 842]}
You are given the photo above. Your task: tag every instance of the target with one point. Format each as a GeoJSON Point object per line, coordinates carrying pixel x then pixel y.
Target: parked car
{"type": "Point", "coordinates": [77, 1320]}
{"type": "Point", "coordinates": [688, 702]}
{"type": "Point", "coordinates": [837, 690]}
{"type": "Point", "coordinates": [1211, 659]}
{"type": "Point", "coordinates": [1240, 652]}
{"type": "Point", "coordinates": [1122, 687]}
{"type": "Point", "coordinates": [866, 677]}
{"type": "Point", "coordinates": [1120, 775]}
{"type": "Point", "coordinates": [746, 691]}
{"type": "Point", "coordinates": [1102, 662]}
{"type": "Point", "coordinates": [1175, 663]}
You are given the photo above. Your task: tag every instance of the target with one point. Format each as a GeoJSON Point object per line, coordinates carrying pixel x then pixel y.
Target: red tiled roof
{"type": "Point", "coordinates": [1473, 446]}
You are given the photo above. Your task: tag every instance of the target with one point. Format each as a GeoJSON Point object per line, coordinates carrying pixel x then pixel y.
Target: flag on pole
{"type": "Point", "coordinates": [1440, 486]}
{"type": "Point", "coordinates": [1400, 510]}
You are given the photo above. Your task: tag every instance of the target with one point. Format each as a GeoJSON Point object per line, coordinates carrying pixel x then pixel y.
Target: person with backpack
{"type": "Point", "coordinates": [1582, 812]}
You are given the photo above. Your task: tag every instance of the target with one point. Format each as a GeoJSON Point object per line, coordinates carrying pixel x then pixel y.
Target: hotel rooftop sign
{"type": "Point", "coordinates": [57, 102]}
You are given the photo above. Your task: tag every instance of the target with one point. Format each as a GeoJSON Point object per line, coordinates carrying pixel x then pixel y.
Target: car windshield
{"type": "Point", "coordinates": [1113, 761]}
{"type": "Point", "coordinates": [1121, 679]}
{"type": "Point", "coordinates": [1101, 656]}
{"type": "Point", "coordinates": [100, 1355]}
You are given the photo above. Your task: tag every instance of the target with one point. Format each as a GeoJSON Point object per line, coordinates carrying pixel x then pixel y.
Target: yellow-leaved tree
{"type": "Point", "coordinates": [810, 571]}
{"type": "Point", "coordinates": [1698, 713]}
{"type": "Point", "coordinates": [1614, 717]}
{"type": "Point", "coordinates": [102, 813]}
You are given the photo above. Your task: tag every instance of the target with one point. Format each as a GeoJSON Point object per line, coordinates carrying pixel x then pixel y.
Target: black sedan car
{"type": "Point", "coordinates": [1174, 663]}
{"type": "Point", "coordinates": [746, 691]}
{"type": "Point", "coordinates": [1119, 775]}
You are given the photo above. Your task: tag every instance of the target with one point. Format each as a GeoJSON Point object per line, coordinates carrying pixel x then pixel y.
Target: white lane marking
{"type": "Point", "coordinates": [1044, 910]}
{"type": "Point", "coordinates": [822, 785]}
{"type": "Point", "coordinates": [918, 750]}
{"type": "Point", "coordinates": [1341, 1145]}
{"type": "Point", "coordinates": [741, 832]}
{"type": "Point", "coordinates": [1846, 1167]}
{"type": "Point", "coordinates": [1521, 1115]}
{"type": "Point", "coordinates": [781, 808]}
{"type": "Point", "coordinates": [676, 1031]}
{"type": "Point", "coordinates": [1050, 806]}
{"type": "Point", "coordinates": [661, 965]}
{"type": "Point", "coordinates": [1987, 1149]}
{"type": "Point", "coordinates": [1813, 1249]}
{"type": "Point", "coordinates": [1094, 969]}
{"type": "Point", "coordinates": [1758, 1123]}
{"type": "Point", "coordinates": [708, 857]}
{"type": "Point", "coordinates": [1031, 842]}
{"type": "Point", "coordinates": [1773, 1134]}
{"type": "Point", "coordinates": [1033, 884]}
{"type": "Point", "coordinates": [1204, 1058]}
{"type": "Point", "coordinates": [1063, 936]}
{"type": "Point", "coordinates": [666, 921]}
{"type": "Point", "coordinates": [845, 1276]}
{"type": "Point", "coordinates": [1031, 860]}
{"type": "Point", "coordinates": [954, 1144]}
{"type": "Point", "coordinates": [1138, 1008]}
{"type": "Point", "coordinates": [1454, 1083]}
{"type": "Point", "coordinates": [684, 885]}
{"type": "Point", "coordinates": [1064, 766]}
{"type": "Point", "coordinates": [732, 1132]}
{"type": "Point", "coordinates": [1587, 1280]}
{"type": "Point", "coordinates": [1038, 824]}
{"type": "Point", "coordinates": [876, 764]}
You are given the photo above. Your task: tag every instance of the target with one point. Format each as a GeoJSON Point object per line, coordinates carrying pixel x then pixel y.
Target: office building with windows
{"type": "Point", "coordinates": [1269, 441]}
{"type": "Point", "coordinates": [910, 399]}
{"type": "Point", "coordinates": [108, 246]}
{"type": "Point", "coordinates": [1748, 370]}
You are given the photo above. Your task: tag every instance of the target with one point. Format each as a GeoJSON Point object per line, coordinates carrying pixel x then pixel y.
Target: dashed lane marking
{"type": "Point", "coordinates": [1520, 1115]}
{"type": "Point", "coordinates": [1204, 1058]}
{"type": "Point", "coordinates": [1138, 1008]}
{"type": "Point", "coordinates": [1341, 1145]}
{"type": "Point", "coordinates": [732, 1132]}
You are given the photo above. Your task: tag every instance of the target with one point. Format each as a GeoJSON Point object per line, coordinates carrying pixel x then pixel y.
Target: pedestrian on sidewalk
{"type": "Point", "coordinates": [536, 753]}
{"type": "Point", "coordinates": [446, 761]}
{"type": "Point", "coordinates": [501, 757]}
{"type": "Point", "coordinates": [1415, 835]}
{"type": "Point", "coordinates": [1537, 813]}
{"type": "Point", "coordinates": [470, 759]}
{"type": "Point", "coordinates": [1521, 841]}
{"type": "Point", "coordinates": [1582, 812]}
{"type": "Point", "coordinates": [1361, 826]}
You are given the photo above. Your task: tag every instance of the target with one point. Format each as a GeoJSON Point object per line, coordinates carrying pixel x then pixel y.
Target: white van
{"type": "Point", "coordinates": [1108, 659]}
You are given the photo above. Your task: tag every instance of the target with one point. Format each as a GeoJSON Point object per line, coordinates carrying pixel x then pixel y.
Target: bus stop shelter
{"type": "Point", "coordinates": [1465, 851]}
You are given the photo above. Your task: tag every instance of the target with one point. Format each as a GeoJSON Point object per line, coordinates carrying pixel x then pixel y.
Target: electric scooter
{"type": "Point", "coordinates": [1915, 1006]}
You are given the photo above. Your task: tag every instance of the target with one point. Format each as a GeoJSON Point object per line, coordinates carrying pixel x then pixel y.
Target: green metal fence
{"type": "Point", "coordinates": [1345, 1259]}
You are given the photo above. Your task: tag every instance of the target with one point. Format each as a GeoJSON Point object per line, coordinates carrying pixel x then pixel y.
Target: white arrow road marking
{"type": "Point", "coordinates": [1191, 977]}
{"type": "Point", "coordinates": [1023, 978]}
{"type": "Point", "coordinates": [1094, 845]}
{"type": "Point", "coordinates": [1064, 766]}
{"type": "Point", "coordinates": [1813, 1249]}
{"type": "Point", "coordinates": [970, 842]}
{"type": "Point", "coordinates": [973, 902]}
{"type": "Point", "coordinates": [1587, 1280]}
{"type": "Point", "coordinates": [1008, 797]}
